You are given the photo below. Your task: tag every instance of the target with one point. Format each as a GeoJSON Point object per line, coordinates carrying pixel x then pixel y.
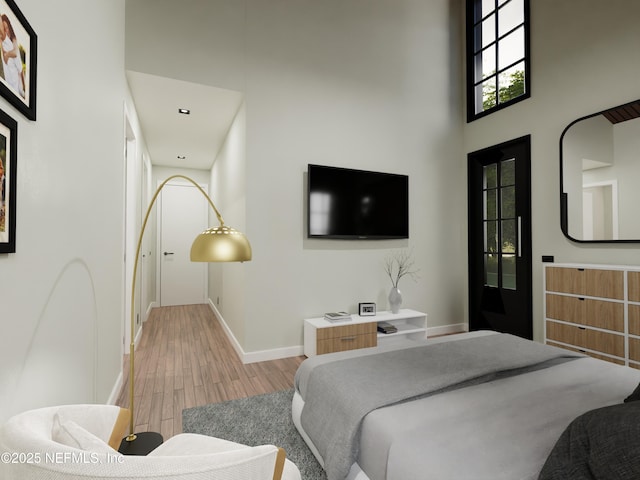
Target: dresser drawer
{"type": "Point", "coordinates": [608, 343]}
{"type": "Point", "coordinates": [586, 281]}
{"type": "Point", "coordinates": [633, 281]}
{"type": "Point", "coordinates": [634, 319]}
{"type": "Point", "coordinates": [634, 349]}
{"type": "Point", "coordinates": [346, 337]}
{"type": "Point", "coordinates": [617, 361]}
{"type": "Point", "coordinates": [346, 330]}
{"type": "Point", "coordinates": [586, 311]}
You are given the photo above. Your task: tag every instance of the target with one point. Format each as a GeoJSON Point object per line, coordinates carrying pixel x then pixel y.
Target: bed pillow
{"type": "Point", "coordinates": [68, 432]}
{"type": "Point", "coordinates": [635, 395]}
{"type": "Point", "coordinates": [602, 444]}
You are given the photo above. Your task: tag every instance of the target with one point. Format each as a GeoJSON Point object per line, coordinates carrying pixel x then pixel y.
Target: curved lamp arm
{"type": "Point", "coordinates": [218, 244]}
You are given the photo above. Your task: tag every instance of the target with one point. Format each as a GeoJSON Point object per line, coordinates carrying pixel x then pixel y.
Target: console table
{"type": "Point", "coordinates": [322, 336]}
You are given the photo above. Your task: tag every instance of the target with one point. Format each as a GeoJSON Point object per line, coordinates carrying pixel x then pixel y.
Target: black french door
{"type": "Point", "coordinates": [499, 195]}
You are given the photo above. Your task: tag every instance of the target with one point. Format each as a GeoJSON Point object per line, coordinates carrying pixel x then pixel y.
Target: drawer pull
{"type": "Point", "coordinates": [581, 299]}
{"type": "Point", "coordinates": [581, 328]}
{"type": "Point", "coordinates": [347, 339]}
{"type": "Point", "coordinates": [581, 269]}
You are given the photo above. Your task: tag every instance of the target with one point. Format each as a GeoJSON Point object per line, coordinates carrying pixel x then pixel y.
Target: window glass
{"type": "Point", "coordinates": [509, 271]}
{"type": "Point", "coordinates": [491, 270]}
{"type": "Point", "coordinates": [497, 54]}
{"type": "Point", "coordinates": [490, 175]}
{"type": "Point", "coordinates": [508, 172]}
{"type": "Point", "coordinates": [511, 15]}
{"type": "Point", "coordinates": [511, 49]}
{"type": "Point", "coordinates": [491, 205]}
{"type": "Point", "coordinates": [491, 237]}
{"type": "Point", "coordinates": [488, 33]}
{"type": "Point", "coordinates": [487, 6]}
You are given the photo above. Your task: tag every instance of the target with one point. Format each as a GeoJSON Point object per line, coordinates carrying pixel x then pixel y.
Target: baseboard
{"type": "Point", "coordinates": [115, 391]}
{"type": "Point", "coordinates": [295, 351]}
{"type": "Point", "coordinates": [274, 354]}
{"type": "Point", "coordinates": [261, 355]}
{"type": "Point", "coordinates": [447, 329]}
{"type": "Point", "coordinates": [152, 305]}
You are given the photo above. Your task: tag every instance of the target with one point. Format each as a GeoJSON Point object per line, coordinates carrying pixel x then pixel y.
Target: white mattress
{"type": "Point", "coordinates": [502, 429]}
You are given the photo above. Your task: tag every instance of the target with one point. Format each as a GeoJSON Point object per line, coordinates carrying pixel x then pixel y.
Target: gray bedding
{"type": "Point", "coordinates": [339, 394]}
{"type": "Point", "coordinates": [499, 430]}
{"type": "Point", "coordinates": [602, 444]}
{"type": "Point", "coordinates": [502, 429]}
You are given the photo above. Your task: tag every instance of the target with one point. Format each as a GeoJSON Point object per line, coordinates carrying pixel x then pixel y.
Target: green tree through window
{"type": "Point", "coordinates": [514, 88]}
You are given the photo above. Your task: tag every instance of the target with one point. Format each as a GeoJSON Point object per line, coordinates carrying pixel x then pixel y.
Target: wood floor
{"type": "Point", "coordinates": [183, 360]}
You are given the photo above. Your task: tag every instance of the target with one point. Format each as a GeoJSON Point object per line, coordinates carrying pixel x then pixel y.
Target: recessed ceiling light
{"type": "Point", "coordinates": [184, 111]}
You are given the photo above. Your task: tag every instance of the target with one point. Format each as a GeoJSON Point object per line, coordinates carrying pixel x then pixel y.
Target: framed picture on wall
{"type": "Point", "coordinates": [19, 57]}
{"type": "Point", "coordinates": [8, 172]}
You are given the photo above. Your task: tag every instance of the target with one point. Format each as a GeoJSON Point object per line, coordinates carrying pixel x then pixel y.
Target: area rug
{"type": "Point", "coordinates": [258, 420]}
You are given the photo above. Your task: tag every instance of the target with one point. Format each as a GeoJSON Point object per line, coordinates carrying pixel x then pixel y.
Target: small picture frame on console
{"type": "Point", "coordinates": [367, 309]}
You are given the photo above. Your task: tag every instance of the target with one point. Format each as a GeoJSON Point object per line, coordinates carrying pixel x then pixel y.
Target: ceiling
{"type": "Point", "coordinates": [169, 134]}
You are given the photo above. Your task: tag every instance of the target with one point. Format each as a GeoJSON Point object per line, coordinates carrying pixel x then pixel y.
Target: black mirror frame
{"type": "Point", "coordinates": [564, 220]}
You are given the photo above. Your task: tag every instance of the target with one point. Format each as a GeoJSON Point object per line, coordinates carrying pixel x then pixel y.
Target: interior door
{"type": "Point", "coordinates": [183, 215]}
{"type": "Point", "coordinates": [499, 195]}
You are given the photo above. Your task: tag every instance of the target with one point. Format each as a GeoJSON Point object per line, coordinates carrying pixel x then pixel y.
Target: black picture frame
{"type": "Point", "coordinates": [18, 87]}
{"type": "Point", "coordinates": [8, 182]}
{"type": "Point", "coordinates": [367, 309]}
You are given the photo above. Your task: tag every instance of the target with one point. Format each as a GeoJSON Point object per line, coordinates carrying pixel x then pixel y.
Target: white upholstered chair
{"type": "Point", "coordinates": [75, 442]}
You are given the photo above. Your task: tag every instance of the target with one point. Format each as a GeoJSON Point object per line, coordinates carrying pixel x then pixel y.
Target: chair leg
{"type": "Point", "coordinates": [277, 472]}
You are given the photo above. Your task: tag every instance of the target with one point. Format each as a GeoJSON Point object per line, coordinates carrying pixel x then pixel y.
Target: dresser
{"type": "Point", "coordinates": [594, 309]}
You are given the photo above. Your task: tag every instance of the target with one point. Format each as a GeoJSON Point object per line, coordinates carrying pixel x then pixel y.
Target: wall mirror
{"type": "Point", "coordinates": [600, 176]}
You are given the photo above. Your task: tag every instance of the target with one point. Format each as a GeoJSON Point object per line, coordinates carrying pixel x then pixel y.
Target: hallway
{"type": "Point", "coordinates": [183, 360]}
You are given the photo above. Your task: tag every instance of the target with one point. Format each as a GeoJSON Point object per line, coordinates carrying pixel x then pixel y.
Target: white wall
{"type": "Point", "coordinates": [372, 85]}
{"type": "Point", "coordinates": [228, 191]}
{"type": "Point", "coordinates": [583, 61]}
{"type": "Point", "coordinates": [61, 296]}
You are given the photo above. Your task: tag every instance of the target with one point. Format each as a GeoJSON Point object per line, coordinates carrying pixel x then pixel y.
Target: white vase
{"type": "Point", "coordinates": [395, 299]}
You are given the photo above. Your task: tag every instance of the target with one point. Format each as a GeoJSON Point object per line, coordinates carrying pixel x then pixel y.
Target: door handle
{"type": "Point", "coordinates": [168, 253]}
{"type": "Point", "coordinates": [519, 236]}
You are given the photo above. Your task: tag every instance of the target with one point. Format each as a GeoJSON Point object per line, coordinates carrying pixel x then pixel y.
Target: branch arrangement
{"type": "Point", "coordinates": [400, 264]}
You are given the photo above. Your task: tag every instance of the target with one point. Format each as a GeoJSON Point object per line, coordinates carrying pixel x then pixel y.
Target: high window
{"type": "Point", "coordinates": [497, 55]}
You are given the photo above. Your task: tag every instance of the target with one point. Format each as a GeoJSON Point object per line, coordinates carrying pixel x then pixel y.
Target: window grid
{"type": "Point", "coordinates": [484, 57]}
{"type": "Point", "coordinates": [500, 224]}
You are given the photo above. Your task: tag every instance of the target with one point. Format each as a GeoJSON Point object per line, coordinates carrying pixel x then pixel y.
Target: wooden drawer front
{"type": "Point", "coordinates": [634, 349]}
{"type": "Point", "coordinates": [609, 343]}
{"type": "Point", "coordinates": [346, 337]}
{"type": "Point", "coordinates": [346, 330]}
{"type": "Point", "coordinates": [569, 309]}
{"type": "Point", "coordinates": [565, 280]}
{"type": "Point", "coordinates": [594, 313]}
{"type": "Point", "coordinates": [634, 319]}
{"type": "Point", "coordinates": [591, 282]}
{"type": "Point", "coordinates": [347, 342]}
{"type": "Point", "coordinates": [605, 283]}
{"type": "Point", "coordinates": [594, 355]}
{"type": "Point", "coordinates": [633, 284]}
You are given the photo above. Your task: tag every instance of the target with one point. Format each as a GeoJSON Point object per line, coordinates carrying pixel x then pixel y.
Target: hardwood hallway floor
{"type": "Point", "coordinates": [183, 360]}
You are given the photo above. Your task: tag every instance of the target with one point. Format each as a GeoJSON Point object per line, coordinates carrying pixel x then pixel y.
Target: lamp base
{"type": "Point", "coordinates": [143, 444]}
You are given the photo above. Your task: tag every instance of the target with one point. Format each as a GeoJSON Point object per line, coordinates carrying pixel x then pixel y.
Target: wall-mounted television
{"type": "Point", "coordinates": [343, 203]}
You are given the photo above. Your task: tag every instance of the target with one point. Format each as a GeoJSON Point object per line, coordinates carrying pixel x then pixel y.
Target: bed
{"type": "Point", "coordinates": [476, 406]}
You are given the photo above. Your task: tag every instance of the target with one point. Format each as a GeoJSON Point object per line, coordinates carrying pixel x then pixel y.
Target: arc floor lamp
{"type": "Point", "coordinates": [216, 244]}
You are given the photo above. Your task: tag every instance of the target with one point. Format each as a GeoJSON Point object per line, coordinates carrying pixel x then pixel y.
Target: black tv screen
{"type": "Point", "coordinates": [356, 204]}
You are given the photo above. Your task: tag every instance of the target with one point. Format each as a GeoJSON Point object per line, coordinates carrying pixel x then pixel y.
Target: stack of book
{"type": "Point", "coordinates": [337, 316]}
{"type": "Point", "coordinates": [386, 327]}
